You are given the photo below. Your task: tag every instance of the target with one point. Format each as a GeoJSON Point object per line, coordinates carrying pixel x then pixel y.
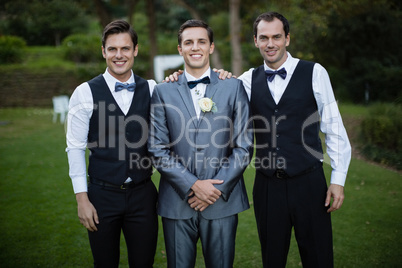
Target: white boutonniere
{"type": "Point", "coordinates": [207, 105]}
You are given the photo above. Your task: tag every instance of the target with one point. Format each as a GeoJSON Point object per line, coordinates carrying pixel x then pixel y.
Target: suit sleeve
{"type": "Point", "coordinates": [159, 147]}
{"type": "Point", "coordinates": [242, 139]}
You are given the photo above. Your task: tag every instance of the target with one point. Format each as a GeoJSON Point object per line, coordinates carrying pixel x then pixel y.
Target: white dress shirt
{"type": "Point", "coordinates": [336, 139]}
{"type": "Point", "coordinates": [198, 91]}
{"type": "Point", "coordinates": [79, 115]}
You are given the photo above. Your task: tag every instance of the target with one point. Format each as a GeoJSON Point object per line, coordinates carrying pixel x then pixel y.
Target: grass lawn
{"type": "Point", "coordinates": [40, 228]}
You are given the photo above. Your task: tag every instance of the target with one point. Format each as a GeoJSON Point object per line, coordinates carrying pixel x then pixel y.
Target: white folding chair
{"type": "Point", "coordinates": [60, 106]}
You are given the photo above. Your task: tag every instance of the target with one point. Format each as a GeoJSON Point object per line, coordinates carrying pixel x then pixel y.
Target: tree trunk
{"type": "Point", "coordinates": [57, 38]}
{"type": "Point", "coordinates": [193, 12]}
{"type": "Point", "coordinates": [215, 58]}
{"type": "Point", "coordinates": [130, 4]}
{"type": "Point", "coordinates": [235, 25]}
{"type": "Point", "coordinates": [153, 45]}
{"type": "Point", "coordinates": [103, 14]}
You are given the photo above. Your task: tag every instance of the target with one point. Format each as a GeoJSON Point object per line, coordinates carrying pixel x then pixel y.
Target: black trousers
{"type": "Point", "coordinates": [132, 211]}
{"type": "Point", "coordinates": [299, 203]}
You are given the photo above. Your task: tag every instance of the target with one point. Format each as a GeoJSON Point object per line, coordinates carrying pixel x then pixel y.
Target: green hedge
{"type": "Point", "coordinates": [12, 49]}
{"type": "Point", "coordinates": [83, 48]}
{"type": "Point", "coordinates": [381, 134]}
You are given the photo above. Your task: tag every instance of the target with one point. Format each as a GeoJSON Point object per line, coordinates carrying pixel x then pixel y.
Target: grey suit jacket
{"type": "Point", "coordinates": [216, 146]}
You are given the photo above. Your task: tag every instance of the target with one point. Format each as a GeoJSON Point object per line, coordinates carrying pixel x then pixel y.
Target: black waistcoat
{"type": "Point", "coordinates": [118, 142]}
{"type": "Point", "coordinates": [287, 133]}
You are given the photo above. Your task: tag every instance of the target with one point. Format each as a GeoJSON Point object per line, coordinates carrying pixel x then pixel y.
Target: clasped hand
{"type": "Point", "coordinates": [204, 194]}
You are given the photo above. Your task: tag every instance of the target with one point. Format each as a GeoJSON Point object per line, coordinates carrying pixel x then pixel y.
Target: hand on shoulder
{"type": "Point", "coordinates": [175, 76]}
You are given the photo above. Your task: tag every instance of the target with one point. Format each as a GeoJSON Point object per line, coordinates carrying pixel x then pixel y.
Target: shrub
{"type": "Point", "coordinates": [82, 48]}
{"type": "Point", "coordinates": [12, 49]}
{"type": "Point", "coordinates": [381, 134]}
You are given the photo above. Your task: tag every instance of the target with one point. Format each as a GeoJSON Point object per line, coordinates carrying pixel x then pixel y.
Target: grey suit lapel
{"type": "Point", "coordinates": [185, 94]}
{"type": "Point", "coordinates": [210, 92]}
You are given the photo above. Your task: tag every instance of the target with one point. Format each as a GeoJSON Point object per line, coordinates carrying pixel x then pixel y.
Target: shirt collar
{"type": "Point", "coordinates": [290, 61]}
{"type": "Point", "coordinates": [189, 77]}
{"type": "Point", "coordinates": [111, 81]}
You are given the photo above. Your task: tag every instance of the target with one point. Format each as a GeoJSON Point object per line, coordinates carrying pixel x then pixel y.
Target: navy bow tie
{"type": "Point", "coordinates": [271, 74]}
{"type": "Point", "coordinates": [120, 86]}
{"type": "Point", "coordinates": [204, 80]}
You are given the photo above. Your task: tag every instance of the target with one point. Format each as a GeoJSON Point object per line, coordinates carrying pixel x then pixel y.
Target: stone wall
{"type": "Point", "coordinates": [29, 88]}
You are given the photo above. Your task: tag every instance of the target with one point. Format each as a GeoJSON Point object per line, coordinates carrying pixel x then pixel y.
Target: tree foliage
{"type": "Point", "coordinates": [11, 49]}
{"type": "Point", "coordinates": [357, 41]}
{"type": "Point", "coordinates": [362, 47]}
{"type": "Point", "coordinates": [43, 22]}
{"type": "Point", "coordinates": [380, 134]}
{"type": "Point", "coordinates": [82, 48]}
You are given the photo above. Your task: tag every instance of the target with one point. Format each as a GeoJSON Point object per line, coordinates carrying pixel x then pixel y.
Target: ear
{"type": "Point", "coordinates": [103, 52]}
{"type": "Point", "coordinates": [180, 50]}
{"type": "Point", "coordinates": [136, 51]}
{"type": "Point", "coordinates": [212, 48]}
{"type": "Point", "coordinates": [255, 41]}
{"type": "Point", "coordinates": [288, 39]}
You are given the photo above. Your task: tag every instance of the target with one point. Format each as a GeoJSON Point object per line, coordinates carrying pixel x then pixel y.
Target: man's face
{"type": "Point", "coordinates": [195, 48]}
{"type": "Point", "coordinates": [272, 42]}
{"type": "Point", "coordinates": [119, 52]}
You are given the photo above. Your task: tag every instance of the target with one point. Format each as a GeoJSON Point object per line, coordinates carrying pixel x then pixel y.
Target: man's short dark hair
{"type": "Point", "coordinates": [116, 27]}
{"type": "Point", "coordinates": [195, 23]}
{"type": "Point", "coordinates": [270, 16]}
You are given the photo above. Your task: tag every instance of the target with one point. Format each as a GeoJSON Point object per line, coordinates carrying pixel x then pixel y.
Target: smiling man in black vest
{"type": "Point", "coordinates": [109, 115]}
{"type": "Point", "coordinates": [291, 101]}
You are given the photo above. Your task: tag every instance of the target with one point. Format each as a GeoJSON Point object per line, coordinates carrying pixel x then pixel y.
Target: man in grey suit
{"type": "Point", "coordinates": [201, 142]}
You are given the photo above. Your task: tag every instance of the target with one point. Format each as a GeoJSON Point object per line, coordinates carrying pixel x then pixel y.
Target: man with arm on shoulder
{"type": "Point", "coordinates": [291, 101]}
{"type": "Point", "coordinates": [201, 142]}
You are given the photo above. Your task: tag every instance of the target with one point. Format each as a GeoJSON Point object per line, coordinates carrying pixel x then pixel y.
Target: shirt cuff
{"type": "Point", "coordinates": [338, 178]}
{"type": "Point", "coordinates": [80, 185]}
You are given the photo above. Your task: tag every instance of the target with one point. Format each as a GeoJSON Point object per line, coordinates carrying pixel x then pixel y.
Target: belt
{"type": "Point", "coordinates": [124, 186]}
{"type": "Point", "coordinates": [281, 174]}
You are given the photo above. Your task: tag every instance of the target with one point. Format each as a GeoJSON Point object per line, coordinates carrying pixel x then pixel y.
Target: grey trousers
{"type": "Point", "coordinates": [217, 239]}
